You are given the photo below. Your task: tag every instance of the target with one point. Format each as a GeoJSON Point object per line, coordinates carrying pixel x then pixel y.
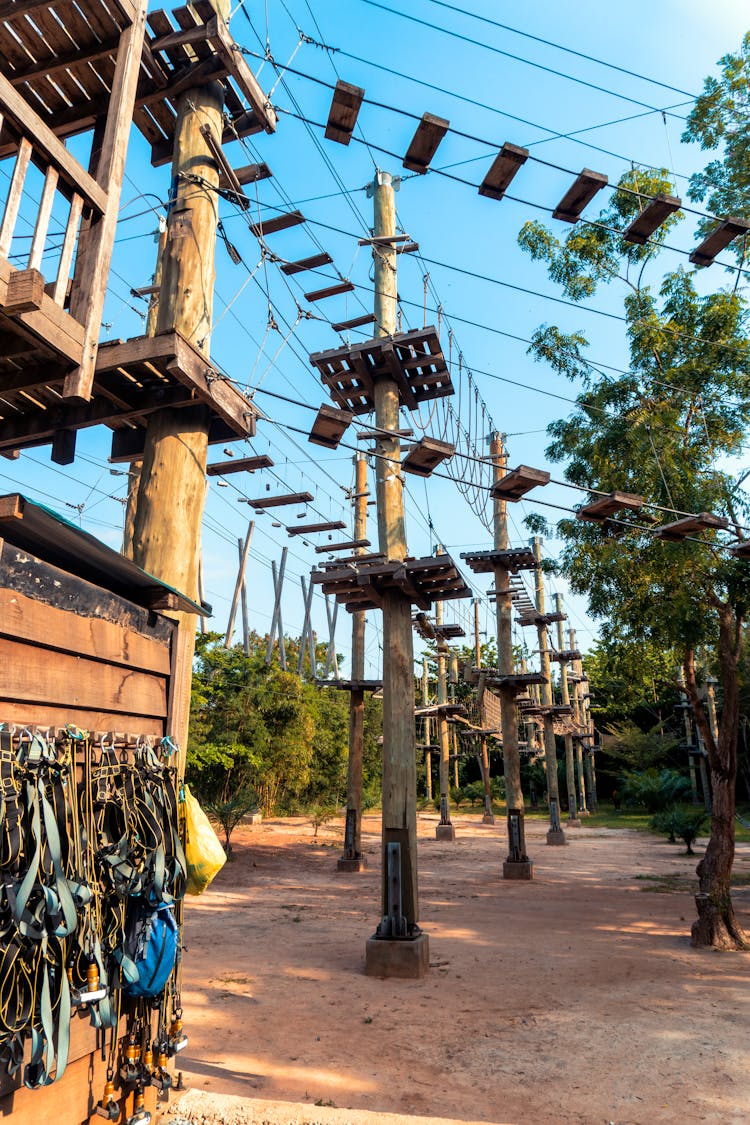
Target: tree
{"type": "Point", "coordinates": [664, 430]}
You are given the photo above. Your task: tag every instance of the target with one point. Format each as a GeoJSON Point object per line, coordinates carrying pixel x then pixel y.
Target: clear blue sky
{"type": "Point", "coordinates": [569, 111]}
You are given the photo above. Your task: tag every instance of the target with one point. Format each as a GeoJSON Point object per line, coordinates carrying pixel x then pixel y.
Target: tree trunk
{"type": "Point", "coordinates": [716, 926]}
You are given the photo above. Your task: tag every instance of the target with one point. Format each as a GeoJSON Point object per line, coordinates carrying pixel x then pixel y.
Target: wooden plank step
{"type": "Point", "coordinates": [314, 528]}
{"type": "Point", "coordinates": [346, 545]}
{"type": "Point", "coordinates": [281, 500]}
{"type": "Point", "coordinates": [330, 291]}
{"type": "Point", "coordinates": [276, 223]}
{"type": "Point", "coordinates": [329, 426]}
{"type": "Point", "coordinates": [243, 465]}
{"type": "Point", "coordinates": [424, 144]}
{"type": "Point", "coordinates": [518, 482]}
{"type": "Point", "coordinates": [718, 240]}
{"type": "Point", "coordinates": [342, 116]}
{"type": "Point", "coordinates": [314, 262]}
{"type": "Point", "coordinates": [502, 170]}
{"type": "Point", "coordinates": [650, 219]}
{"type": "Point", "coordinates": [356, 322]}
{"type": "Point", "coordinates": [579, 194]}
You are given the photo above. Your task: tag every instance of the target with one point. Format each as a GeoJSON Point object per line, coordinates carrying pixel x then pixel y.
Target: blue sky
{"type": "Point", "coordinates": [522, 101]}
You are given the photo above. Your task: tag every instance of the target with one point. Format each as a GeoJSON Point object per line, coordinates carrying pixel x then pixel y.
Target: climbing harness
{"type": "Point", "coordinates": [92, 873]}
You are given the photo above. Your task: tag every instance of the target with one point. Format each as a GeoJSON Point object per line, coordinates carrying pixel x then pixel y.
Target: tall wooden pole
{"type": "Point", "coordinates": [555, 835]}
{"type": "Point", "coordinates": [386, 955]}
{"type": "Point", "coordinates": [570, 770]}
{"type": "Point", "coordinates": [353, 859]}
{"type": "Point", "coordinates": [445, 829]}
{"type": "Point", "coordinates": [578, 719]}
{"type": "Point", "coordinates": [484, 758]}
{"type": "Point", "coordinates": [171, 494]}
{"type": "Point", "coordinates": [588, 758]}
{"type": "Point", "coordinates": [687, 723]}
{"type": "Point", "coordinates": [517, 864]}
{"type": "Point", "coordinates": [427, 727]}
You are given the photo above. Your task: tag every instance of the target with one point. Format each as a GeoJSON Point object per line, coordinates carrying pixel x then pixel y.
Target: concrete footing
{"type": "Point", "coordinates": [488, 818]}
{"type": "Point", "coordinates": [518, 869]}
{"type": "Point", "coordinates": [584, 812]}
{"type": "Point", "coordinates": [407, 960]}
{"type": "Point", "coordinates": [572, 822]}
{"type": "Point", "coordinates": [556, 837]}
{"type": "Point", "coordinates": [445, 832]}
{"type": "Point", "coordinates": [359, 864]}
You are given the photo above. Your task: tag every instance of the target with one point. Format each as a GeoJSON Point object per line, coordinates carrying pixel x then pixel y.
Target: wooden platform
{"type": "Point", "coordinates": [413, 359]}
{"type": "Point", "coordinates": [352, 685]}
{"type": "Point", "coordinates": [531, 617]}
{"type": "Point", "coordinates": [62, 59]}
{"type": "Point", "coordinates": [445, 710]}
{"type": "Point", "coordinates": [513, 560]}
{"type": "Point", "coordinates": [422, 581]}
{"type": "Point", "coordinates": [519, 681]}
{"type": "Point", "coordinates": [133, 378]}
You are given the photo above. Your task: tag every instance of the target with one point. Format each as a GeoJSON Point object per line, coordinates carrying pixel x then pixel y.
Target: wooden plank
{"type": "Point", "coordinates": [342, 116]}
{"type": "Point", "coordinates": [25, 292]}
{"type": "Point", "coordinates": [277, 223]}
{"type": "Point", "coordinates": [243, 465]}
{"type": "Point", "coordinates": [229, 53]}
{"type": "Point", "coordinates": [31, 674]}
{"type": "Point", "coordinates": [95, 245]}
{"type": "Point", "coordinates": [330, 291]}
{"type": "Point", "coordinates": [314, 528]}
{"type": "Point", "coordinates": [60, 289]}
{"type": "Point", "coordinates": [25, 619]}
{"type": "Point", "coordinates": [281, 501]}
{"type": "Point", "coordinates": [30, 124]}
{"type": "Point", "coordinates": [248, 174]}
{"type": "Point", "coordinates": [579, 194]}
{"type": "Point", "coordinates": [719, 238]}
{"type": "Point", "coordinates": [651, 217]}
{"type": "Point", "coordinates": [424, 143]}
{"type": "Point", "coordinates": [502, 170]}
{"type": "Point", "coordinates": [51, 324]}
{"type": "Point", "coordinates": [314, 262]}
{"type": "Point", "coordinates": [225, 168]}
{"type": "Point", "coordinates": [13, 199]}
{"type": "Point", "coordinates": [357, 322]}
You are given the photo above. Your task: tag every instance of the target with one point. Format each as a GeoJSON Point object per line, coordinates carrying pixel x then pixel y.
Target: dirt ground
{"type": "Point", "coordinates": [573, 998]}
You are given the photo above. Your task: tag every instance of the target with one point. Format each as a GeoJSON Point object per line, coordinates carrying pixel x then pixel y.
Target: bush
{"type": "Point", "coordinates": [474, 793]}
{"type": "Point", "coordinates": [458, 796]}
{"type": "Point", "coordinates": [683, 823]}
{"type": "Point", "coordinates": [228, 814]}
{"type": "Point", "coordinates": [656, 790]}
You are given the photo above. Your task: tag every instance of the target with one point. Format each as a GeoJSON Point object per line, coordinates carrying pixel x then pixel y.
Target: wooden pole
{"type": "Point", "coordinates": [588, 758]}
{"type": "Point", "coordinates": [353, 859]}
{"type": "Point", "coordinates": [399, 832]}
{"type": "Point", "coordinates": [578, 718]}
{"type": "Point", "coordinates": [517, 864]}
{"type": "Point", "coordinates": [484, 758]}
{"type": "Point", "coordinates": [201, 592]}
{"type": "Point", "coordinates": [570, 770]}
{"type": "Point", "coordinates": [445, 829]}
{"type": "Point", "coordinates": [243, 547]}
{"type": "Point", "coordinates": [555, 835]}
{"type": "Point", "coordinates": [171, 494]}
{"type": "Point", "coordinates": [427, 726]}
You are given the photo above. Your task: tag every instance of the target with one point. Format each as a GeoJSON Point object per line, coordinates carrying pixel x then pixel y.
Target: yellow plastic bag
{"type": "Point", "coordinates": [203, 851]}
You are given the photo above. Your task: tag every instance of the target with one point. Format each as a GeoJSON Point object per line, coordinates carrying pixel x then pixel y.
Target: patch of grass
{"type": "Point", "coordinates": [669, 884]}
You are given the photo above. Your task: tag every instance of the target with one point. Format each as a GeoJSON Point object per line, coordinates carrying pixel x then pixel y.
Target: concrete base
{"type": "Point", "coordinates": [584, 812]}
{"type": "Point", "coordinates": [445, 832]}
{"type": "Point", "coordinates": [407, 960]}
{"type": "Point", "coordinates": [359, 864]}
{"type": "Point", "coordinates": [520, 869]}
{"type": "Point", "coordinates": [556, 838]}
{"type": "Point", "coordinates": [488, 819]}
{"type": "Point", "coordinates": [572, 822]}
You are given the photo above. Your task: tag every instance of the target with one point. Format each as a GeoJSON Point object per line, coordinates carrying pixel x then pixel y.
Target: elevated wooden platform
{"type": "Point", "coordinates": [132, 379]}
{"type": "Point", "coordinates": [422, 581]}
{"type": "Point", "coordinates": [564, 656]}
{"type": "Point", "coordinates": [513, 560]}
{"type": "Point", "coordinates": [519, 681]}
{"type": "Point", "coordinates": [62, 59]}
{"type": "Point", "coordinates": [413, 359]}
{"type": "Point", "coordinates": [531, 617]}
{"type": "Point", "coordinates": [445, 710]}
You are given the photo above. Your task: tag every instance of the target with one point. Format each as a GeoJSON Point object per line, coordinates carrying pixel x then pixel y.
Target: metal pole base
{"type": "Point", "coordinates": [357, 864]}
{"type": "Point", "coordinates": [556, 837]}
{"type": "Point", "coordinates": [518, 869]}
{"type": "Point", "coordinates": [445, 832]}
{"type": "Point", "coordinates": [404, 959]}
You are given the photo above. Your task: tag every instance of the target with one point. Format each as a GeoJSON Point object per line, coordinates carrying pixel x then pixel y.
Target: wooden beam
{"type": "Point", "coordinates": [329, 426]}
{"type": "Point", "coordinates": [314, 528]}
{"type": "Point", "coordinates": [228, 51]}
{"type": "Point", "coordinates": [244, 552]}
{"type": "Point", "coordinates": [342, 116]}
{"type": "Point", "coordinates": [502, 170]}
{"type": "Point", "coordinates": [312, 263]}
{"type": "Point", "coordinates": [718, 240]}
{"type": "Point", "coordinates": [16, 109]}
{"type": "Point", "coordinates": [277, 223]}
{"type": "Point", "coordinates": [330, 291]}
{"type": "Point", "coordinates": [424, 457]}
{"type": "Point", "coordinates": [424, 143]}
{"type": "Point", "coordinates": [281, 501]}
{"type": "Point", "coordinates": [347, 545]}
{"type": "Point", "coordinates": [579, 194]}
{"type": "Point", "coordinates": [244, 465]}
{"type": "Point", "coordinates": [650, 219]}
{"type": "Point", "coordinates": [357, 322]}
{"type": "Point", "coordinates": [225, 168]}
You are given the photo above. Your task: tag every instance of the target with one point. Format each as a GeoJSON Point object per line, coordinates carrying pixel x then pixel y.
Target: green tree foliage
{"type": "Point", "coordinates": [256, 727]}
{"type": "Point", "coordinates": [667, 430]}
{"type": "Point", "coordinates": [719, 120]}
{"type": "Point", "coordinates": [656, 790]}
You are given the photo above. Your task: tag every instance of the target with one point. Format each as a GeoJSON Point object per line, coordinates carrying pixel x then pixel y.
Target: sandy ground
{"type": "Point", "coordinates": [574, 998]}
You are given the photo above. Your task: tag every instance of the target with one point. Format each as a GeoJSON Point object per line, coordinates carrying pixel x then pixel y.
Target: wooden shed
{"type": "Point", "coordinates": [83, 644]}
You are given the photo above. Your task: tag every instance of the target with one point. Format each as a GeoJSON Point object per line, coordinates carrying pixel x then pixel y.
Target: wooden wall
{"type": "Point", "coordinates": [72, 652]}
